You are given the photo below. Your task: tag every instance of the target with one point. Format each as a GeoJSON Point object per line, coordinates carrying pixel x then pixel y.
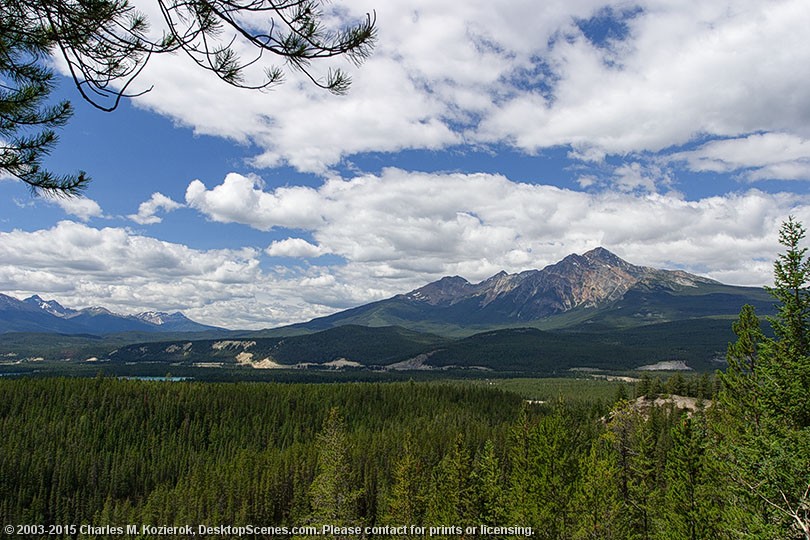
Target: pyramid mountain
{"type": "Point", "coordinates": [597, 288]}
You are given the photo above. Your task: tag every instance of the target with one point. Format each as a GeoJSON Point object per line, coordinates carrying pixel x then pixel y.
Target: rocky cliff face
{"type": "Point", "coordinates": [592, 279]}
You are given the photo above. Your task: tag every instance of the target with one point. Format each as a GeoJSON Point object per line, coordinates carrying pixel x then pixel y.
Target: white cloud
{"type": "Point", "coordinates": [761, 156]}
{"type": "Point", "coordinates": [147, 210]}
{"type": "Point", "coordinates": [80, 207]}
{"type": "Point", "coordinates": [634, 176]}
{"type": "Point", "coordinates": [401, 229]}
{"type": "Point", "coordinates": [240, 198]}
{"type": "Point", "coordinates": [445, 73]}
{"type": "Point", "coordinates": [688, 68]}
{"type": "Point", "coordinates": [294, 247]}
{"type": "Point", "coordinates": [82, 266]}
{"type": "Point", "coordinates": [392, 232]}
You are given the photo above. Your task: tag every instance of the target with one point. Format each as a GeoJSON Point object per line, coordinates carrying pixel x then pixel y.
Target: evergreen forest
{"type": "Point", "coordinates": [438, 460]}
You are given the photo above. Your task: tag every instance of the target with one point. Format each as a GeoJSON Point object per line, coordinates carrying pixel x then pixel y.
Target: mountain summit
{"type": "Point", "coordinates": [595, 287]}
{"type": "Point", "coordinates": [592, 279]}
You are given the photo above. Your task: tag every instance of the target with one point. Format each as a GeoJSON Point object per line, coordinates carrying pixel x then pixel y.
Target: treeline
{"type": "Point", "coordinates": [702, 386]}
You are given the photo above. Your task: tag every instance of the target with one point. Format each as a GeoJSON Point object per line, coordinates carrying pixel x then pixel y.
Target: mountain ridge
{"type": "Point", "coordinates": [578, 289]}
{"type": "Point", "coordinates": [35, 314]}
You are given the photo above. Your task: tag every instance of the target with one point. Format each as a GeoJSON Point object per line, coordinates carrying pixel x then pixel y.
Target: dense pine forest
{"type": "Point", "coordinates": [440, 460]}
{"type": "Point", "coordinates": [117, 452]}
{"type": "Point", "coordinates": [113, 452]}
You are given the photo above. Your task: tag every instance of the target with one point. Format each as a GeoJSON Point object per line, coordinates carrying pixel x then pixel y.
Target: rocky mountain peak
{"type": "Point", "coordinates": [98, 310]}
{"type": "Point", "coordinates": [51, 306]}
{"type": "Point", "coordinates": [446, 290]}
{"type": "Point", "coordinates": [593, 279]}
{"type": "Point", "coordinates": [34, 314]}
{"type": "Point", "coordinates": [152, 317]}
{"type": "Point", "coordinates": [602, 255]}
{"type": "Point", "coordinates": [161, 317]}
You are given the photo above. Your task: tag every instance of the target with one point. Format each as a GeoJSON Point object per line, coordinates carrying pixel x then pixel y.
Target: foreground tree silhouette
{"type": "Point", "coordinates": [106, 44]}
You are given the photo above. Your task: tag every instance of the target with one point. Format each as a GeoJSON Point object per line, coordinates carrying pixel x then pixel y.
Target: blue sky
{"type": "Point", "coordinates": [478, 137]}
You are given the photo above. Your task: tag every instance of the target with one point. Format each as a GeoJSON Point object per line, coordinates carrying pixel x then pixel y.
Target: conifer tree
{"type": "Point", "coordinates": [521, 503]}
{"type": "Point", "coordinates": [487, 491]}
{"type": "Point", "coordinates": [554, 462]}
{"type": "Point", "coordinates": [692, 503]}
{"type": "Point", "coordinates": [105, 45]}
{"type": "Point", "coordinates": [449, 495]}
{"type": "Point", "coordinates": [762, 422]}
{"type": "Point", "coordinates": [597, 501]}
{"type": "Point", "coordinates": [405, 502]}
{"type": "Point", "coordinates": [332, 493]}
{"type": "Point", "coordinates": [27, 122]}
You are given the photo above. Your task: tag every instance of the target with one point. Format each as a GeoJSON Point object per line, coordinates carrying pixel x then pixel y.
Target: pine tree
{"type": "Point", "coordinates": [332, 493]}
{"type": "Point", "coordinates": [405, 502]}
{"type": "Point", "coordinates": [105, 45]}
{"type": "Point", "coordinates": [487, 492]}
{"type": "Point", "coordinates": [762, 422]}
{"type": "Point", "coordinates": [449, 495]}
{"type": "Point", "coordinates": [643, 387]}
{"type": "Point", "coordinates": [692, 505]}
{"type": "Point", "coordinates": [597, 501]}
{"type": "Point", "coordinates": [27, 121]}
{"type": "Point", "coordinates": [554, 462]}
{"type": "Point", "coordinates": [787, 372]}
{"type": "Point", "coordinates": [520, 502]}
{"type": "Point", "coordinates": [740, 399]}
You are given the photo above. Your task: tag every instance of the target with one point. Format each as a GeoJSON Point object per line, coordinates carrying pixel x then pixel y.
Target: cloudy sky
{"type": "Point", "coordinates": [480, 136]}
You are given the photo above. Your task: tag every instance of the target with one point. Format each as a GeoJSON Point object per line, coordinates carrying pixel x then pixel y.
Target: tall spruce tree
{"type": "Point", "coordinates": [787, 372]}
{"type": "Point", "coordinates": [333, 494]}
{"type": "Point", "coordinates": [487, 491]}
{"type": "Point", "coordinates": [597, 499]}
{"type": "Point", "coordinates": [406, 499]}
{"type": "Point", "coordinates": [692, 504]}
{"type": "Point", "coordinates": [449, 493]}
{"type": "Point", "coordinates": [762, 420]}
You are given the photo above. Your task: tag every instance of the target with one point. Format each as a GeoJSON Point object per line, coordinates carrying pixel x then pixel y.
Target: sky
{"type": "Point", "coordinates": [480, 136]}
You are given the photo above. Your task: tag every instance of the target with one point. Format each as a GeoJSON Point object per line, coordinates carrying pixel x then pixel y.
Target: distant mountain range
{"type": "Point", "coordinates": [590, 291]}
{"type": "Point", "coordinates": [34, 314]}
{"type": "Point", "coordinates": [589, 311]}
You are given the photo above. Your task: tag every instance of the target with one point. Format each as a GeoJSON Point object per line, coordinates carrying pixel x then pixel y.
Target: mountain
{"type": "Point", "coordinates": [34, 314]}
{"type": "Point", "coordinates": [589, 311]}
{"type": "Point", "coordinates": [344, 346]}
{"type": "Point", "coordinates": [20, 316]}
{"type": "Point", "coordinates": [696, 344]}
{"type": "Point", "coordinates": [51, 306]}
{"type": "Point", "coordinates": [596, 288]}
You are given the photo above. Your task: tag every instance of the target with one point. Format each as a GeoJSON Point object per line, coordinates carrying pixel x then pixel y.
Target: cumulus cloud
{"type": "Point", "coordinates": [637, 177]}
{"type": "Point", "coordinates": [446, 73]}
{"type": "Point", "coordinates": [294, 247]}
{"type": "Point", "coordinates": [83, 266]}
{"type": "Point", "coordinates": [148, 210]}
{"type": "Point", "coordinates": [240, 198]}
{"type": "Point", "coordinates": [684, 69]}
{"type": "Point", "coordinates": [80, 207]}
{"type": "Point", "coordinates": [399, 229]}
